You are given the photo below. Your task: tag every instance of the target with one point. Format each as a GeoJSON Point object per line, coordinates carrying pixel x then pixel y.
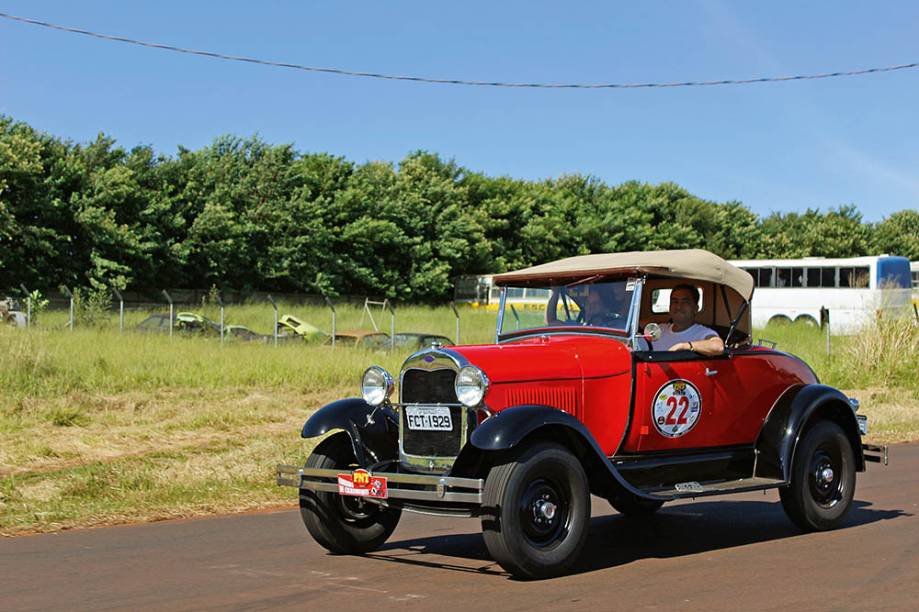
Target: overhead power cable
{"type": "Point", "coordinates": [442, 81]}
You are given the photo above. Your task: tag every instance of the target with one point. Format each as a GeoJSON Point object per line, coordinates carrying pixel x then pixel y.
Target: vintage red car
{"type": "Point", "coordinates": [567, 403]}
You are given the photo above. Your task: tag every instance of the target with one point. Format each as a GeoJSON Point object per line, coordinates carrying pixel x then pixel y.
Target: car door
{"type": "Point", "coordinates": [674, 406]}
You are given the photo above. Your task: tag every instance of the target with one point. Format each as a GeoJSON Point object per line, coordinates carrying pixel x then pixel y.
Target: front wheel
{"type": "Point", "coordinates": [536, 511]}
{"type": "Point", "coordinates": [822, 479]}
{"type": "Point", "coordinates": [341, 524]}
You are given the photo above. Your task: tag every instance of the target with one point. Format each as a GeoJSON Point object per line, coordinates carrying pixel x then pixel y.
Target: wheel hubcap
{"type": "Point", "coordinates": [825, 486]}
{"type": "Point", "coordinates": [546, 510]}
{"type": "Point", "coordinates": [543, 512]}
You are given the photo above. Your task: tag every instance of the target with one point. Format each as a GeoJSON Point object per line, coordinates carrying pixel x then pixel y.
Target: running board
{"type": "Point", "coordinates": [683, 490]}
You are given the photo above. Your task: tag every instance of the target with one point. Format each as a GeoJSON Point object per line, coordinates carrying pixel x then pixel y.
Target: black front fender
{"type": "Point", "coordinates": [790, 416]}
{"type": "Point", "coordinates": [514, 426]}
{"type": "Point", "coordinates": [373, 428]}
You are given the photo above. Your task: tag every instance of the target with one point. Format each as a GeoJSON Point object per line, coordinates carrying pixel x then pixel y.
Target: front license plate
{"type": "Point", "coordinates": [428, 418]}
{"type": "Point", "coordinates": [361, 483]}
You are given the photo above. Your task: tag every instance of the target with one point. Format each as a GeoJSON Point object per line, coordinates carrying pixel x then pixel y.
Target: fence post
{"type": "Point", "coordinates": [70, 295]}
{"type": "Point", "coordinates": [456, 314]}
{"type": "Point", "coordinates": [331, 306]}
{"type": "Point", "coordinates": [120, 310]}
{"type": "Point", "coordinates": [392, 325]}
{"type": "Point", "coordinates": [274, 333]}
{"type": "Point", "coordinates": [172, 320]}
{"type": "Point", "coordinates": [220, 302]}
{"type": "Point", "coordinates": [28, 305]}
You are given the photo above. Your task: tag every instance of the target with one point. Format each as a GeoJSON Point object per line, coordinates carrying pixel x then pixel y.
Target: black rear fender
{"type": "Point", "coordinates": [374, 430]}
{"type": "Point", "coordinates": [793, 413]}
{"type": "Point", "coordinates": [499, 436]}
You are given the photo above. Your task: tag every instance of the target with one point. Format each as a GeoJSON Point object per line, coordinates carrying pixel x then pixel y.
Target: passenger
{"type": "Point", "coordinates": [599, 310]}
{"type": "Point", "coordinates": [683, 333]}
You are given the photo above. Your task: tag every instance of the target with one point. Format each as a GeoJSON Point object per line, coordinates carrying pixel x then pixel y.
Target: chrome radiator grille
{"type": "Point", "coordinates": [428, 387]}
{"type": "Point", "coordinates": [432, 387]}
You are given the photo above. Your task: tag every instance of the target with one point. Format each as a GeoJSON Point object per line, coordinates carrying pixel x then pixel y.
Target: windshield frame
{"type": "Point", "coordinates": [629, 331]}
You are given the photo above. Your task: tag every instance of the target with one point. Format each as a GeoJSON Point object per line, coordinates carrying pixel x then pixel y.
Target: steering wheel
{"type": "Point", "coordinates": [603, 319]}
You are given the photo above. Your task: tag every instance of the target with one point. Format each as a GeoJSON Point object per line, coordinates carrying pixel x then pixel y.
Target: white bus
{"type": "Point", "coordinates": [854, 291]}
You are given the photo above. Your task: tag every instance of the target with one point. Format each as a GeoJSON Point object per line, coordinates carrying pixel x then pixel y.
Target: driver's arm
{"type": "Point", "coordinates": [709, 347]}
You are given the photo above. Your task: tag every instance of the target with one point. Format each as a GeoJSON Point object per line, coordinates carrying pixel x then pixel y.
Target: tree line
{"type": "Point", "coordinates": [248, 215]}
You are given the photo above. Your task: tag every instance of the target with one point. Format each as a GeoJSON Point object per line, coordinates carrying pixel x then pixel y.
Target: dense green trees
{"type": "Point", "coordinates": [248, 215]}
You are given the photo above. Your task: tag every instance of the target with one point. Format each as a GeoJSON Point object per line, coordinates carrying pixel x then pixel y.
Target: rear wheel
{"type": "Point", "coordinates": [342, 524]}
{"type": "Point", "coordinates": [822, 480]}
{"type": "Point", "coordinates": [536, 511]}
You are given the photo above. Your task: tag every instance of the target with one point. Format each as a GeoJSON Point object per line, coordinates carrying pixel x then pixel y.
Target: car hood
{"type": "Point", "coordinates": [549, 357]}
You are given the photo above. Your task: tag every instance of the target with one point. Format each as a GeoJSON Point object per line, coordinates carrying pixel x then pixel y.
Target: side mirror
{"type": "Point", "coordinates": [652, 332]}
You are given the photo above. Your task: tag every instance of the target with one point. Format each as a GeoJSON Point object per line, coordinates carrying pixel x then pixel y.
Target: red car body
{"type": "Point", "coordinates": [591, 379]}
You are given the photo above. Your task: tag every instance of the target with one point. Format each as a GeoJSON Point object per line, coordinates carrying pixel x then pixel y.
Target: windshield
{"type": "Point", "coordinates": [600, 305]}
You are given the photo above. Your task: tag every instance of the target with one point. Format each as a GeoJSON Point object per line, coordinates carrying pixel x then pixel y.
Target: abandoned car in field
{"type": "Point", "coordinates": [563, 405]}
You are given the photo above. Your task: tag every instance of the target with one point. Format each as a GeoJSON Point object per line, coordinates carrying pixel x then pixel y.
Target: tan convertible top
{"type": "Point", "coordinates": [695, 264]}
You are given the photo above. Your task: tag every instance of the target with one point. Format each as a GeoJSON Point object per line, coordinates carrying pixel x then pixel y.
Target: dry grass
{"type": "Point", "coordinates": [893, 416]}
{"type": "Point", "coordinates": [139, 456]}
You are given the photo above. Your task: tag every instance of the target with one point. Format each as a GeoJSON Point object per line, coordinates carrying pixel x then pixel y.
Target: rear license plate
{"type": "Point", "coordinates": [428, 418]}
{"type": "Point", "coordinates": [862, 423]}
{"type": "Point", "coordinates": [361, 483]}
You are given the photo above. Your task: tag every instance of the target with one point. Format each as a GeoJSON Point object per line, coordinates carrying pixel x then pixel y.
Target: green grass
{"type": "Point", "coordinates": [98, 427]}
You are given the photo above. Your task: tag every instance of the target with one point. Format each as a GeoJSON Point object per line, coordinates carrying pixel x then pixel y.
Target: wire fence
{"type": "Point", "coordinates": [234, 315]}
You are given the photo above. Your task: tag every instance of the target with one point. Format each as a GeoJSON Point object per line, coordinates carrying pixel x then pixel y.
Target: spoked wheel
{"type": "Point", "coordinates": [339, 523]}
{"type": "Point", "coordinates": [823, 479]}
{"type": "Point", "coordinates": [536, 511]}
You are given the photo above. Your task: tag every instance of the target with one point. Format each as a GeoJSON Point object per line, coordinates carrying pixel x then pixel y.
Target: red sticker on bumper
{"type": "Point", "coordinates": [360, 483]}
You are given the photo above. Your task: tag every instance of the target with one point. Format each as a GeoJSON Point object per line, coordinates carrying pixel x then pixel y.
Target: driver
{"type": "Point", "coordinates": [599, 310]}
{"type": "Point", "coordinates": [683, 333]}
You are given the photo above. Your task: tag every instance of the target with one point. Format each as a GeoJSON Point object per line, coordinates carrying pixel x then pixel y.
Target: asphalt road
{"type": "Point", "coordinates": [729, 552]}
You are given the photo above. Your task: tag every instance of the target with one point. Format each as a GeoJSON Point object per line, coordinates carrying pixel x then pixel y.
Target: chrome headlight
{"type": "Point", "coordinates": [471, 385]}
{"type": "Point", "coordinates": [376, 385]}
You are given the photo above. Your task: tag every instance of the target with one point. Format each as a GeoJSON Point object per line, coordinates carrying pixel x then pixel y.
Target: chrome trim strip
{"type": "Point", "coordinates": [635, 312]}
{"type": "Point", "coordinates": [500, 314]}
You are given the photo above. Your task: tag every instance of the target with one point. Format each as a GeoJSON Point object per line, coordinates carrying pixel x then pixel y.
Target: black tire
{"type": "Point", "coordinates": [343, 525]}
{"type": "Point", "coordinates": [631, 505]}
{"type": "Point", "coordinates": [536, 511]}
{"type": "Point", "coordinates": [816, 500]}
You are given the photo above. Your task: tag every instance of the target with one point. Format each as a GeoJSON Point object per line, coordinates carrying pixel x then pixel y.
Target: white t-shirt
{"type": "Point", "coordinates": [692, 333]}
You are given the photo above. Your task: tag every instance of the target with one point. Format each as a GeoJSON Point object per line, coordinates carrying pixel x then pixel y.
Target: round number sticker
{"type": "Point", "coordinates": [676, 408]}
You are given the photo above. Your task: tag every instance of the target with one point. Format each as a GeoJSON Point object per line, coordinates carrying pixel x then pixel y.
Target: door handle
{"type": "Point", "coordinates": [710, 372]}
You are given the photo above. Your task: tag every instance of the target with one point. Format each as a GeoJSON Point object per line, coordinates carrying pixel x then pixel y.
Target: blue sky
{"type": "Point", "coordinates": [775, 147]}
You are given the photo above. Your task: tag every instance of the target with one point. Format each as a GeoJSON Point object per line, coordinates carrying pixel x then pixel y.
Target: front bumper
{"type": "Point", "coordinates": [875, 453]}
{"type": "Point", "coordinates": [413, 487]}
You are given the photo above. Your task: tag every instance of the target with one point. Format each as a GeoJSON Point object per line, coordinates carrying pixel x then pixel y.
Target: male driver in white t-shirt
{"type": "Point", "coordinates": [684, 334]}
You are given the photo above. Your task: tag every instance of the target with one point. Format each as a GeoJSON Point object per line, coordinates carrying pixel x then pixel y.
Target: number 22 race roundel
{"type": "Point", "coordinates": [676, 408]}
